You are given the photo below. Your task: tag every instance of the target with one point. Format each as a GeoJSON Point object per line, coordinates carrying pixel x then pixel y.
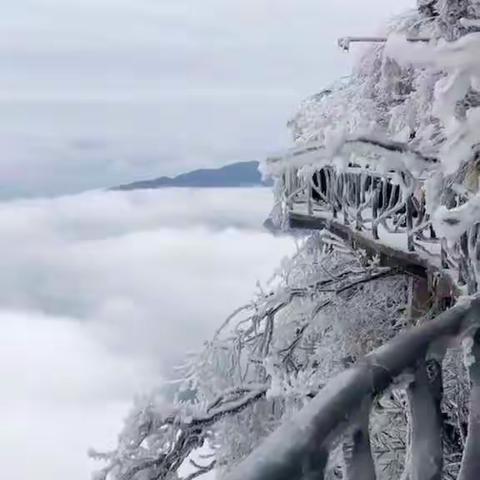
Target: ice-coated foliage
{"type": "Point", "coordinates": [409, 110]}
{"type": "Point", "coordinates": [423, 95]}
{"type": "Point", "coordinates": [285, 339]}
{"type": "Point", "coordinates": [325, 308]}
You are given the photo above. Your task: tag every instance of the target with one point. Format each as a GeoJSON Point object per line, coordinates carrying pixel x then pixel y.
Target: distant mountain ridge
{"type": "Point", "coordinates": [242, 174]}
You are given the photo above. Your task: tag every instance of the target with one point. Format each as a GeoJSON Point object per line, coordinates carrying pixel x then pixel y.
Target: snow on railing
{"type": "Point", "coordinates": [384, 191]}
{"type": "Point", "coordinates": [299, 449]}
{"type": "Point", "coordinates": [387, 203]}
{"type": "Point", "coordinates": [408, 199]}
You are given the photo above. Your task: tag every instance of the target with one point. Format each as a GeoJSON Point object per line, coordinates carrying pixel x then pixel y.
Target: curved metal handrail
{"type": "Point", "coordinates": [373, 202]}
{"type": "Point", "coordinates": [299, 448]}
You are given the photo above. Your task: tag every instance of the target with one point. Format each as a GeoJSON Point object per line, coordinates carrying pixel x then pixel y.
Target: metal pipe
{"type": "Point", "coordinates": [297, 449]}
{"type": "Point", "coordinates": [344, 42]}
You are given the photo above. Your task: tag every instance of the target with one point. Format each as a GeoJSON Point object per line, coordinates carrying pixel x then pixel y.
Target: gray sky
{"type": "Point", "coordinates": [97, 92]}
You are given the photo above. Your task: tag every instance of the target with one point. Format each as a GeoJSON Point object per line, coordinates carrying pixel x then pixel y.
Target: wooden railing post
{"type": "Point", "coordinates": [345, 197]}
{"type": "Point", "coordinates": [315, 464]}
{"type": "Point", "coordinates": [470, 469]}
{"type": "Point", "coordinates": [425, 449]}
{"type": "Point", "coordinates": [425, 455]}
{"type": "Point", "coordinates": [463, 274]}
{"type": "Point", "coordinates": [409, 220]}
{"type": "Point", "coordinates": [332, 185]}
{"type": "Point", "coordinates": [358, 200]}
{"type": "Point", "coordinates": [375, 207]}
{"type": "Point", "coordinates": [385, 196]}
{"type": "Point", "coordinates": [358, 455]}
{"type": "Point", "coordinates": [309, 194]}
{"type": "Point", "coordinates": [420, 297]}
{"type": "Point", "coordinates": [443, 253]}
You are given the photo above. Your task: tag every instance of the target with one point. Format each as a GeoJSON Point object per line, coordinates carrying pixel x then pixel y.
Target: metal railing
{"type": "Point", "coordinates": [345, 42]}
{"type": "Point", "coordinates": [373, 204]}
{"type": "Point", "coordinates": [387, 211]}
{"type": "Point", "coordinates": [299, 449]}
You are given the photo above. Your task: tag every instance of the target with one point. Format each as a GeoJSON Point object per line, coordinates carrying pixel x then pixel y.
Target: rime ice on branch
{"type": "Point", "coordinates": [386, 166]}
{"type": "Point", "coordinates": [393, 150]}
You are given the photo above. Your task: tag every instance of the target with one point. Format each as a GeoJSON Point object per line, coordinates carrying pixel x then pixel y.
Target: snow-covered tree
{"type": "Point", "coordinates": [412, 108]}
{"type": "Point", "coordinates": [268, 359]}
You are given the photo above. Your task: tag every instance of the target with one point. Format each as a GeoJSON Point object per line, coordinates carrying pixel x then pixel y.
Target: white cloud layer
{"type": "Point", "coordinates": [62, 390]}
{"type": "Point", "coordinates": [100, 294]}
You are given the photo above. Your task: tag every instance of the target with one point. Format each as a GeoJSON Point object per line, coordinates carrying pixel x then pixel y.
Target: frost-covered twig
{"type": "Point", "coordinates": [320, 155]}
{"type": "Point", "coordinates": [154, 442]}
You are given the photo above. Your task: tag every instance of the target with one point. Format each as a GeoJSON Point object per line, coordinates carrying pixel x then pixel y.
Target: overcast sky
{"type": "Point", "coordinates": [98, 92]}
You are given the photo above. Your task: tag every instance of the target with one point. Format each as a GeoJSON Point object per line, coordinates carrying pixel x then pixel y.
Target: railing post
{"type": "Point", "coordinates": [315, 464]}
{"type": "Point", "coordinates": [358, 200]}
{"type": "Point", "coordinates": [473, 250]}
{"type": "Point", "coordinates": [409, 215]}
{"type": "Point", "coordinates": [375, 207]}
{"type": "Point", "coordinates": [332, 185]}
{"type": "Point", "coordinates": [425, 455]}
{"type": "Point", "coordinates": [425, 448]}
{"type": "Point", "coordinates": [345, 198]}
{"type": "Point", "coordinates": [443, 253]}
{"type": "Point", "coordinates": [309, 194]}
{"type": "Point", "coordinates": [463, 273]}
{"type": "Point", "coordinates": [358, 455]}
{"type": "Point", "coordinates": [470, 469]}
{"type": "Point", "coordinates": [420, 297]}
{"type": "Point", "coordinates": [288, 189]}
{"type": "Point", "coordinates": [385, 195]}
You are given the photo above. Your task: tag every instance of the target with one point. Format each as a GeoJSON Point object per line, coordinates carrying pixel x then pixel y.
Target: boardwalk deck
{"type": "Point", "coordinates": [418, 264]}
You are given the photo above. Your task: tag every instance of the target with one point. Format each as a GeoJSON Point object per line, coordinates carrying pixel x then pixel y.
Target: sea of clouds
{"type": "Point", "coordinates": [100, 295]}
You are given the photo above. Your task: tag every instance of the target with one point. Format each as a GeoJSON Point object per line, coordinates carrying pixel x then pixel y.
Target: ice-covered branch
{"type": "Point", "coordinates": [310, 432]}
{"type": "Point", "coordinates": [156, 443]}
{"type": "Point", "coordinates": [379, 153]}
